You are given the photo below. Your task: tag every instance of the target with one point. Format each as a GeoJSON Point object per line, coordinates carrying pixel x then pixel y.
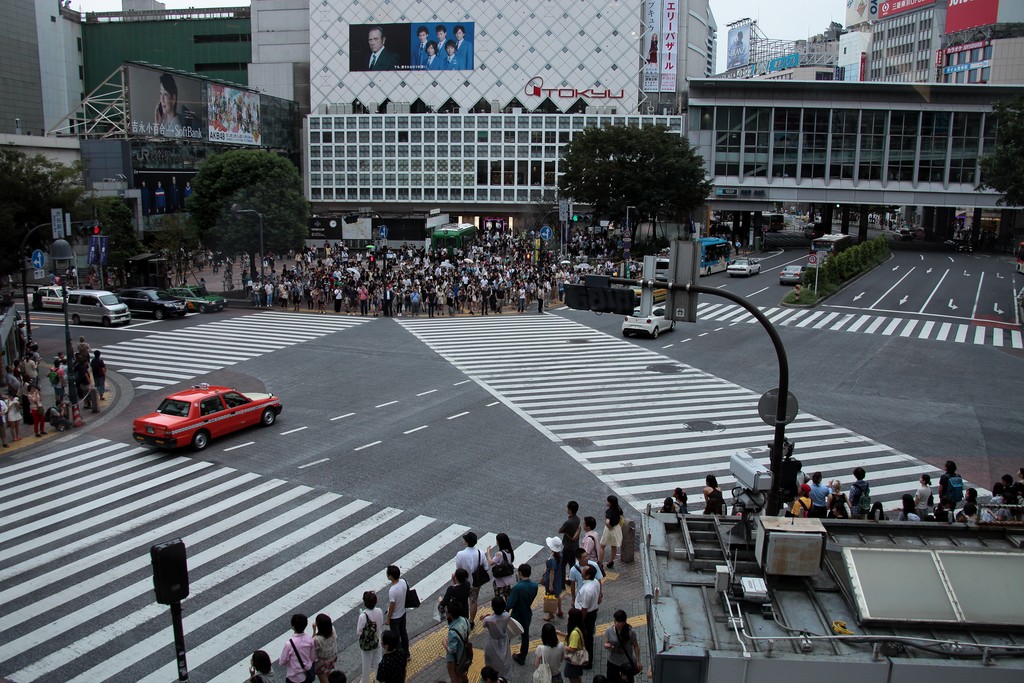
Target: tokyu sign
{"type": "Point", "coordinates": [535, 88]}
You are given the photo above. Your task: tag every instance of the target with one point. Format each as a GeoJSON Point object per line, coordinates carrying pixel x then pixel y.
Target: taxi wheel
{"type": "Point", "coordinates": [268, 417]}
{"type": "Point", "coordinates": [76, 320]}
{"type": "Point", "coordinates": [200, 440]}
{"type": "Point", "coordinates": [202, 308]}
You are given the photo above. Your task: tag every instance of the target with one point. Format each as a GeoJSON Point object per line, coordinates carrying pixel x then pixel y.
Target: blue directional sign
{"type": "Point", "coordinates": [383, 231]}
{"type": "Point", "coordinates": [546, 233]}
{"type": "Point", "coordinates": [38, 259]}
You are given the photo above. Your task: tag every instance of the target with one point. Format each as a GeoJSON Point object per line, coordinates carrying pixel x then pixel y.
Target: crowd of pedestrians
{"type": "Point", "coordinates": [21, 396]}
{"type": "Point", "coordinates": [500, 274]}
{"type": "Point", "coordinates": [563, 655]}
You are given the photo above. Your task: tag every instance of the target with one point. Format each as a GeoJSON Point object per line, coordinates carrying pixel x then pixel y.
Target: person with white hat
{"type": "Point", "coordinates": [554, 578]}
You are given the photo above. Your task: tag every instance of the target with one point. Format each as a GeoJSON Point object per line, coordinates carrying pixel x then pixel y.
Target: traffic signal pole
{"type": "Point", "coordinates": [775, 495]}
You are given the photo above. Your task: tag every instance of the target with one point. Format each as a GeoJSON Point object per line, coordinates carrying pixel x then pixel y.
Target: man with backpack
{"type": "Point", "coordinates": [860, 495]}
{"type": "Point", "coordinates": [951, 485]}
{"type": "Point", "coordinates": [58, 381]}
{"type": "Point", "coordinates": [459, 651]}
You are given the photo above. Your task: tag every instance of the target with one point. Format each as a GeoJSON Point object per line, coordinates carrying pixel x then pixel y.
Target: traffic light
{"type": "Point", "coordinates": [373, 260]}
{"type": "Point", "coordinates": [575, 218]}
{"type": "Point", "coordinates": [597, 294]}
{"type": "Point", "coordinates": [97, 229]}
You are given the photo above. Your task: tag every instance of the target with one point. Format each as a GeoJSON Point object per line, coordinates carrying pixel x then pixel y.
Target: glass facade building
{"type": "Point", "coordinates": [463, 160]}
{"type": "Point", "coordinates": [848, 143]}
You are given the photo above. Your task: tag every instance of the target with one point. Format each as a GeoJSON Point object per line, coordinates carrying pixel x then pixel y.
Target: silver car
{"type": "Point", "coordinates": [791, 275]}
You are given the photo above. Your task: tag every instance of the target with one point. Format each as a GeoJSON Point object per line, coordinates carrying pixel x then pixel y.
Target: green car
{"type": "Point", "coordinates": [198, 299]}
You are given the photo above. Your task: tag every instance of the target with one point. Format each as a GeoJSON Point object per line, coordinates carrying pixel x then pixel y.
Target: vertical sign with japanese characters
{"type": "Point", "coordinates": [652, 39]}
{"type": "Point", "coordinates": [669, 45]}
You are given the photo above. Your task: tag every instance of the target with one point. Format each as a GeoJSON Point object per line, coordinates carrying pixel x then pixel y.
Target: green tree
{"type": "Point", "coordinates": [656, 172]}
{"type": "Point", "coordinates": [256, 180]}
{"type": "Point", "coordinates": [115, 216]}
{"type": "Point", "coordinates": [1000, 170]}
{"type": "Point", "coordinates": [29, 188]}
{"type": "Point", "coordinates": [177, 239]}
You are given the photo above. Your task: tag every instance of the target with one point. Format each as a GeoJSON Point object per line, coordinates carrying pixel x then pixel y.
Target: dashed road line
{"type": "Point", "coordinates": [292, 431]}
{"type": "Point", "coordinates": [241, 445]}
{"type": "Point", "coordinates": [452, 417]}
{"type": "Point", "coordinates": [416, 429]}
{"type": "Point", "coordinates": [315, 462]}
{"type": "Point", "coordinates": [372, 443]}
{"type": "Point", "coordinates": [341, 417]}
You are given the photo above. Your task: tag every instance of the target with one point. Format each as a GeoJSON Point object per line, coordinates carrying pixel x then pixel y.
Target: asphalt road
{"type": "Point", "coordinates": [431, 427]}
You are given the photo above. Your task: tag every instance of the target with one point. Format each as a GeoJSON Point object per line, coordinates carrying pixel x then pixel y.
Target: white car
{"type": "Point", "coordinates": [653, 324]}
{"type": "Point", "coordinates": [744, 266]}
{"type": "Point", "coordinates": [50, 297]}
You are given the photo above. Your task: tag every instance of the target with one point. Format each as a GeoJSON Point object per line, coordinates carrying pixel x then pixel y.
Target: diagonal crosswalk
{"type": "Point", "coordinates": [165, 358]}
{"type": "Point", "coordinates": [76, 525]}
{"type": "Point", "coordinates": [999, 336]}
{"type": "Point", "coordinates": [643, 423]}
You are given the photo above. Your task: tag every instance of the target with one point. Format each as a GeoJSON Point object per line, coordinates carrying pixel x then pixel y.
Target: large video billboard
{"type": "Point", "coordinates": [964, 14]}
{"type": "Point", "coordinates": [738, 53]}
{"type": "Point", "coordinates": [416, 46]}
{"type": "Point", "coordinates": [233, 115]}
{"type": "Point", "coordinates": [164, 104]}
{"type": "Point", "coordinates": [889, 8]}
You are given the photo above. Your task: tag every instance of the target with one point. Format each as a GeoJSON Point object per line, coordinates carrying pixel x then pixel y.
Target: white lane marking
{"type": "Point", "coordinates": [763, 289]}
{"type": "Point", "coordinates": [974, 311]}
{"type": "Point", "coordinates": [424, 393]}
{"type": "Point", "coordinates": [315, 462]}
{"type": "Point", "coordinates": [926, 301]}
{"type": "Point", "coordinates": [340, 417]}
{"type": "Point", "coordinates": [492, 403]}
{"type": "Point", "coordinates": [462, 382]}
{"type": "Point", "coordinates": [292, 431]}
{"type": "Point", "coordinates": [389, 403]}
{"type": "Point", "coordinates": [416, 429]}
{"type": "Point", "coordinates": [241, 445]}
{"type": "Point", "coordinates": [373, 443]}
{"type": "Point", "coordinates": [452, 417]}
{"type": "Point", "coordinates": [892, 288]}
{"type": "Point", "coordinates": [667, 346]}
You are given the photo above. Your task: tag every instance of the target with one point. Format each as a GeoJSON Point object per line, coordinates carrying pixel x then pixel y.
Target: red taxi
{"type": "Point", "coordinates": [204, 412]}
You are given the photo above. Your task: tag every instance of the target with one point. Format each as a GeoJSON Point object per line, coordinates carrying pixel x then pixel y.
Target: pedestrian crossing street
{"type": "Point", "coordinates": [867, 323]}
{"type": "Point", "coordinates": [165, 358]}
{"type": "Point", "coordinates": [76, 589]}
{"type": "Point", "coordinates": [643, 423]}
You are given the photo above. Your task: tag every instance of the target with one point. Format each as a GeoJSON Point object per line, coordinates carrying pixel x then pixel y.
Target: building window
{"type": "Point", "coordinates": [757, 122]}
{"type": "Point", "coordinates": [903, 131]}
{"type": "Point", "coordinates": [844, 143]}
{"type": "Point", "coordinates": [872, 145]}
{"type": "Point", "coordinates": [966, 138]}
{"type": "Point", "coordinates": [815, 143]}
{"type": "Point", "coordinates": [935, 130]}
{"type": "Point", "coordinates": [728, 128]}
{"type": "Point", "coordinates": [786, 143]}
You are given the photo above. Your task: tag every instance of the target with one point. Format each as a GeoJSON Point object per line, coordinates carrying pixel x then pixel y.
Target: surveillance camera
{"type": "Point", "coordinates": [749, 473]}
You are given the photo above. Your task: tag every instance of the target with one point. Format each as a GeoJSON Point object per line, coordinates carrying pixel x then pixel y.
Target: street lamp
{"type": "Point", "coordinates": [24, 279]}
{"type": "Point", "coordinates": [236, 209]}
{"type": "Point", "coordinates": [63, 257]}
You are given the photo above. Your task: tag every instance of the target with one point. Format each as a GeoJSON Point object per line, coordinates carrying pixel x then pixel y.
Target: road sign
{"type": "Point", "coordinates": [38, 274]}
{"type": "Point", "coordinates": [563, 210]}
{"type": "Point", "coordinates": [768, 405]}
{"type": "Point", "coordinates": [57, 221]}
{"type": "Point", "coordinates": [383, 230]}
{"type": "Point", "coordinates": [546, 233]}
{"type": "Point", "coordinates": [812, 259]}
{"type": "Point", "coordinates": [38, 259]}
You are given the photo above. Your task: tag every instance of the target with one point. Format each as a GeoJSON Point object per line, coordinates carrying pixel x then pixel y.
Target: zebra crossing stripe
{"type": "Point", "coordinates": [1015, 339]}
{"type": "Point", "coordinates": [926, 329]}
{"type": "Point", "coordinates": [979, 335]}
{"type": "Point", "coordinates": [908, 329]}
{"type": "Point", "coordinates": [961, 334]}
{"type": "Point", "coordinates": [875, 324]}
{"type": "Point", "coordinates": [891, 327]}
{"type": "Point", "coordinates": [689, 423]}
{"type": "Point", "coordinates": [997, 336]}
{"type": "Point", "coordinates": [944, 329]}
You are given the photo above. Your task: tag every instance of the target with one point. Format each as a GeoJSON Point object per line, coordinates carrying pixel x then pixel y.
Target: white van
{"type": "Point", "coordinates": [97, 306]}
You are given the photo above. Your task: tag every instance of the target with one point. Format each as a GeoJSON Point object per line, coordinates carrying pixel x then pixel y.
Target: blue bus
{"type": "Point", "coordinates": [715, 255]}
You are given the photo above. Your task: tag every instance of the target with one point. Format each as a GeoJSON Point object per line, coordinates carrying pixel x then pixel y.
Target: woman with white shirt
{"type": "Point", "coordinates": [551, 652]}
{"type": "Point", "coordinates": [370, 658]}
{"type": "Point", "coordinates": [923, 495]}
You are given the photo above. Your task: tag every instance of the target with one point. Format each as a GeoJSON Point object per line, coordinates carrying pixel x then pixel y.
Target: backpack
{"type": "Point", "coordinates": [502, 569]}
{"type": "Point", "coordinates": [864, 499]}
{"type": "Point", "coordinates": [955, 488]}
{"type": "Point", "coordinates": [368, 639]}
{"type": "Point", "coordinates": [54, 377]}
{"type": "Point", "coordinates": [465, 660]}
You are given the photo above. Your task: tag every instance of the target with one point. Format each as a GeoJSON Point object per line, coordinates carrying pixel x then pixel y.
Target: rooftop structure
{"type": "Point", "coordinates": [770, 599]}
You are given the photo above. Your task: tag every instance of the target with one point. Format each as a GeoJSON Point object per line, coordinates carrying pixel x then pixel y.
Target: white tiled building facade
{"type": "Point", "coordinates": [489, 138]}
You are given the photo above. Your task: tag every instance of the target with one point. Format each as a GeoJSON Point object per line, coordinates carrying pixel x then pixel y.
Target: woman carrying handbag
{"type": "Point", "coordinates": [575, 649]}
{"type": "Point", "coordinates": [554, 580]}
{"type": "Point", "coordinates": [623, 650]}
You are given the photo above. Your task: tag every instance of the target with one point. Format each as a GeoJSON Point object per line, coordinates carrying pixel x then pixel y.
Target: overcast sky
{"type": "Point", "coordinates": [778, 19]}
